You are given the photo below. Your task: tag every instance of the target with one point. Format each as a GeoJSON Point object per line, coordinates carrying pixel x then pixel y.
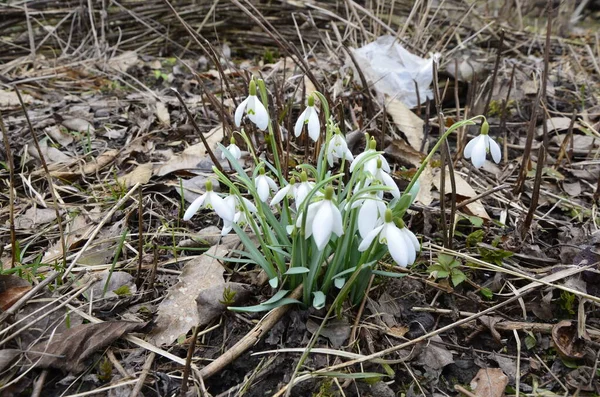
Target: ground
{"type": "Point", "coordinates": [105, 290]}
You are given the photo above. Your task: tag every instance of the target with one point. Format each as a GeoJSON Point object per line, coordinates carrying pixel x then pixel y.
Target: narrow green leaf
{"type": "Point", "coordinates": [297, 270]}
{"type": "Point", "coordinates": [263, 307]}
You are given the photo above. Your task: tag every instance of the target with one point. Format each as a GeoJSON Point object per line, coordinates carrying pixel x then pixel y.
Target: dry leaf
{"type": "Point", "coordinates": [162, 113]}
{"type": "Point", "coordinates": [192, 157]}
{"type": "Point", "coordinates": [69, 350]}
{"type": "Point", "coordinates": [463, 190]}
{"type": "Point", "coordinates": [51, 154]}
{"type": "Point", "coordinates": [124, 61]}
{"type": "Point", "coordinates": [489, 382]}
{"type": "Point", "coordinates": [12, 288]}
{"type": "Point", "coordinates": [34, 217]}
{"type": "Point", "coordinates": [556, 124]}
{"type": "Point", "coordinates": [100, 162]}
{"type": "Point", "coordinates": [76, 230]}
{"type": "Point", "coordinates": [407, 122]}
{"type": "Point", "coordinates": [79, 125]}
{"type": "Point", "coordinates": [336, 330]}
{"type": "Point", "coordinates": [435, 356]}
{"type": "Point", "coordinates": [403, 153]}
{"type": "Point", "coordinates": [7, 356]}
{"type": "Point", "coordinates": [58, 135]}
{"type": "Point", "coordinates": [141, 174]}
{"type": "Point", "coordinates": [426, 182]}
{"type": "Point", "coordinates": [9, 99]}
{"type": "Point", "coordinates": [178, 312]}
{"type": "Point", "coordinates": [566, 341]}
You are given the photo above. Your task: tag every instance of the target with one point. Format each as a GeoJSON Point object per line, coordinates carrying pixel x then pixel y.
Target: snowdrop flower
{"type": "Point", "coordinates": [233, 149]}
{"type": "Point", "coordinates": [288, 191]}
{"type": "Point", "coordinates": [478, 147]}
{"type": "Point", "coordinates": [254, 109]}
{"type": "Point", "coordinates": [338, 149]}
{"type": "Point", "coordinates": [382, 177]}
{"type": "Point", "coordinates": [401, 242]}
{"type": "Point", "coordinates": [371, 164]}
{"type": "Point", "coordinates": [212, 200]}
{"type": "Point", "coordinates": [233, 202]}
{"type": "Point", "coordinates": [310, 117]}
{"type": "Point", "coordinates": [323, 219]}
{"type": "Point", "coordinates": [303, 189]}
{"type": "Point", "coordinates": [371, 213]}
{"type": "Point", "coordinates": [264, 184]}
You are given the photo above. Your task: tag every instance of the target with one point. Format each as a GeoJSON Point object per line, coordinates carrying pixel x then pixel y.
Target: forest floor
{"type": "Point", "coordinates": [105, 290]}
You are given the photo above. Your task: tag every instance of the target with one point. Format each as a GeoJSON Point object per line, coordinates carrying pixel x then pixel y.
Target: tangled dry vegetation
{"type": "Point", "coordinates": [104, 290]}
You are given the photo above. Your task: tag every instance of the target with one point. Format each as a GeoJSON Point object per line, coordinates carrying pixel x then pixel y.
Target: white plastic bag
{"type": "Point", "coordinates": [393, 71]}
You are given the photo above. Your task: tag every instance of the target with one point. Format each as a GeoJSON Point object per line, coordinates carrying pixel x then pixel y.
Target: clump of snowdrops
{"type": "Point", "coordinates": [316, 226]}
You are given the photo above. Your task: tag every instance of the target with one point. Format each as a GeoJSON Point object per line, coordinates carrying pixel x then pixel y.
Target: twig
{"type": "Point", "coordinates": [202, 138]}
{"type": "Point", "coordinates": [250, 339]}
{"type": "Point", "coordinates": [39, 384]}
{"type": "Point", "coordinates": [48, 178]}
{"type": "Point", "coordinates": [188, 362]}
{"type": "Point", "coordinates": [11, 197]}
{"type": "Point", "coordinates": [518, 374]}
{"type": "Point", "coordinates": [535, 195]}
{"type": "Point", "coordinates": [106, 218]}
{"type": "Point", "coordinates": [495, 74]}
{"type": "Point", "coordinates": [145, 370]}
{"type": "Point", "coordinates": [528, 144]}
{"type": "Point", "coordinates": [140, 236]}
{"type": "Point", "coordinates": [464, 391]}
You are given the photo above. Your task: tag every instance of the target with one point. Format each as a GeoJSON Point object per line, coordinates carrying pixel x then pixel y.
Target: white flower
{"type": "Point", "coordinates": [338, 149]}
{"type": "Point", "coordinates": [383, 178]}
{"type": "Point", "coordinates": [478, 147]}
{"type": "Point", "coordinates": [264, 184]}
{"type": "Point", "coordinates": [310, 117]}
{"type": "Point", "coordinates": [401, 242]}
{"type": "Point", "coordinates": [303, 189]}
{"type": "Point", "coordinates": [254, 109]}
{"type": "Point", "coordinates": [371, 164]}
{"type": "Point", "coordinates": [288, 191]}
{"type": "Point", "coordinates": [233, 149]}
{"type": "Point", "coordinates": [233, 202]}
{"type": "Point", "coordinates": [371, 213]}
{"type": "Point", "coordinates": [212, 200]}
{"type": "Point", "coordinates": [323, 218]}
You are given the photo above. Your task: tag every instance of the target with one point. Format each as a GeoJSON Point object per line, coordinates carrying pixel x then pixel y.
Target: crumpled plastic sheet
{"type": "Point", "coordinates": [392, 70]}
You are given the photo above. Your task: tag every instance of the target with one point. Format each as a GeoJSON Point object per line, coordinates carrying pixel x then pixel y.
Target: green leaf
{"type": "Point", "coordinates": [278, 296]}
{"type": "Point", "coordinates": [388, 274]}
{"type": "Point", "coordinates": [357, 375]}
{"type": "Point", "coordinates": [475, 220]}
{"type": "Point", "coordinates": [530, 341]}
{"type": "Point", "coordinates": [475, 238]}
{"type": "Point", "coordinates": [318, 300]}
{"type": "Point", "coordinates": [487, 293]}
{"type": "Point", "coordinates": [445, 259]}
{"type": "Point", "coordinates": [263, 307]}
{"type": "Point", "coordinates": [458, 277]}
{"type": "Point", "coordinates": [297, 270]}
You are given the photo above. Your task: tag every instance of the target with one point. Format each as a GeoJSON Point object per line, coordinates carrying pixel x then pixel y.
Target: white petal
{"type": "Point", "coordinates": [478, 153]}
{"type": "Point", "coordinates": [261, 118]}
{"type": "Point", "coordinates": [314, 127]}
{"type": "Point", "coordinates": [262, 188]}
{"type": "Point", "coordinates": [384, 164]}
{"type": "Point", "coordinates": [469, 148]}
{"type": "Point", "coordinates": [249, 205]}
{"type": "Point", "coordinates": [348, 155]}
{"type": "Point", "coordinates": [388, 181]}
{"type": "Point", "coordinates": [239, 112]}
{"type": "Point", "coordinates": [413, 239]}
{"type": "Point", "coordinates": [271, 183]}
{"type": "Point", "coordinates": [280, 195]}
{"type": "Point", "coordinates": [337, 225]}
{"type": "Point", "coordinates": [357, 160]}
{"type": "Point", "coordinates": [367, 217]}
{"type": "Point", "coordinates": [330, 157]}
{"type": "Point", "coordinates": [194, 207]}
{"type": "Point", "coordinates": [396, 245]}
{"type": "Point", "coordinates": [495, 151]}
{"type": "Point", "coordinates": [300, 123]}
{"type": "Point", "coordinates": [235, 151]}
{"type": "Point", "coordinates": [323, 226]}
{"type": "Point", "coordinates": [310, 217]}
{"type": "Point", "coordinates": [301, 193]}
{"type": "Point", "coordinates": [410, 252]}
{"type": "Point", "coordinates": [366, 243]}
{"type": "Point", "coordinates": [221, 208]}
{"type": "Point", "coordinates": [227, 226]}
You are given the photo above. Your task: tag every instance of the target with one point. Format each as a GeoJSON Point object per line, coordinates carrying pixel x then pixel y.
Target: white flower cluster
{"type": "Point", "coordinates": [318, 210]}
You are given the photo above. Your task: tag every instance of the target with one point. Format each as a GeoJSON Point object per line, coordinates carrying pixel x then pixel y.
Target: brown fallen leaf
{"type": "Point", "coordinates": [489, 382]}
{"type": "Point", "coordinates": [463, 190]}
{"type": "Point", "coordinates": [566, 341]}
{"type": "Point", "coordinates": [407, 122]}
{"type": "Point", "coordinates": [12, 288]}
{"type": "Point", "coordinates": [100, 162]}
{"type": "Point", "coordinates": [58, 135]}
{"type": "Point", "coordinates": [162, 114]}
{"type": "Point", "coordinates": [34, 217]}
{"type": "Point", "coordinates": [7, 356]}
{"type": "Point", "coordinates": [178, 312]}
{"type": "Point", "coordinates": [79, 125]}
{"type": "Point", "coordinates": [193, 157]}
{"type": "Point", "coordinates": [141, 174]}
{"type": "Point", "coordinates": [556, 124]}
{"type": "Point", "coordinates": [69, 350]}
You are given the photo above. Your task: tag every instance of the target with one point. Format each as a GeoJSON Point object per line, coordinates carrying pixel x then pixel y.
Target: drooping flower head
{"type": "Point", "coordinates": [303, 189]}
{"type": "Point", "coordinates": [337, 148]}
{"type": "Point", "coordinates": [233, 149]}
{"type": "Point", "coordinates": [264, 184]}
{"type": "Point", "coordinates": [210, 199]}
{"type": "Point", "coordinates": [288, 191]}
{"type": "Point", "coordinates": [371, 213]}
{"type": "Point", "coordinates": [240, 218]}
{"type": "Point", "coordinates": [401, 242]}
{"type": "Point", "coordinates": [371, 164]}
{"type": "Point", "coordinates": [254, 108]}
{"type": "Point", "coordinates": [479, 146]}
{"type": "Point", "coordinates": [311, 118]}
{"type": "Point", "coordinates": [323, 219]}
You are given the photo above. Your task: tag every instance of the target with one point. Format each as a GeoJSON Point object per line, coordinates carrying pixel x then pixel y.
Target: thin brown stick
{"type": "Point", "coordinates": [11, 196]}
{"type": "Point", "coordinates": [48, 178]}
{"type": "Point", "coordinates": [528, 144]}
{"type": "Point", "coordinates": [544, 97]}
{"type": "Point", "coordinates": [140, 236]}
{"type": "Point", "coordinates": [188, 362]}
{"type": "Point", "coordinates": [495, 74]}
{"type": "Point", "coordinates": [250, 339]}
{"type": "Point", "coordinates": [39, 384]}
{"type": "Point", "coordinates": [535, 195]}
{"type": "Point", "coordinates": [145, 371]}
